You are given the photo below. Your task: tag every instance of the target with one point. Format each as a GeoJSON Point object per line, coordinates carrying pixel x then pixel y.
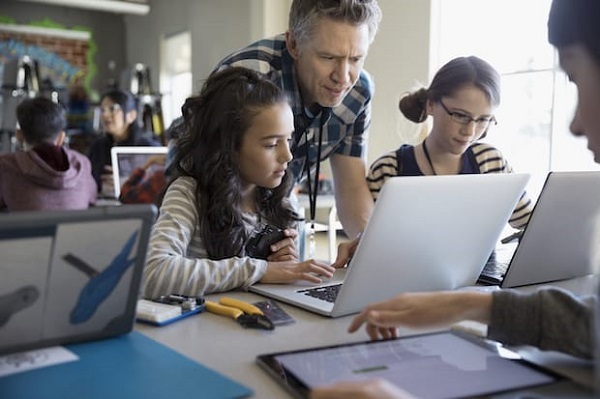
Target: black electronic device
{"type": "Point", "coordinates": [168, 308]}
{"type": "Point", "coordinates": [462, 366]}
{"type": "Point", "coordinates": [259, 243]}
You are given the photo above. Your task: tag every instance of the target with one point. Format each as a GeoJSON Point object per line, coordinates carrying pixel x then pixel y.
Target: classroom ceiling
{"type": "Point", "coordinates": [137, 7]}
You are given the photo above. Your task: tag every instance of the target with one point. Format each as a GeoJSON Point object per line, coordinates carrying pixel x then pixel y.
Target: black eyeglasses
{"type": "Point", "coordinates": [110, 108]}
{"type": "Point", "coordinates": [464, 119]}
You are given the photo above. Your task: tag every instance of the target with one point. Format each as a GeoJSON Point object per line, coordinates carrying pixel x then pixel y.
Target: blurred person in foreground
{"type": "Point", "coordinates": [549, 318]}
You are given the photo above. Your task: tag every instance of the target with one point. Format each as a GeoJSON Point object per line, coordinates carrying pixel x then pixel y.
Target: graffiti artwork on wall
{"type": "Point", "coordinates": [52, 66]}
{"type": "Point", "coordinates": [64, 56]}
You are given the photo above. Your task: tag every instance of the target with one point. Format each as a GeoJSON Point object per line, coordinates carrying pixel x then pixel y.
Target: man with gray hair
{"type": "Point", "coordinates": [319, 64]}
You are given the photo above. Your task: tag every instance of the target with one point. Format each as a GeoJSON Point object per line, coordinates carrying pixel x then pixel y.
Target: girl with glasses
{"type": "Point", "coordinates": [461, 101]}
{"type": "Point", "coordinates": [119, 117]}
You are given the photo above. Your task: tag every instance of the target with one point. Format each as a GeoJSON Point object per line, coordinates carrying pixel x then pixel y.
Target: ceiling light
{"type": "Point", "coordinates": [117, 6]}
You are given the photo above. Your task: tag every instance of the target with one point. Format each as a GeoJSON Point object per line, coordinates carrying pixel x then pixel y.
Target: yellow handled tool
{"type": "Point", "coordinates": [245, 306]}
{"type": "Point", "coordinates": [214, 307]}
{"type": "Point", "coordinates": [246, 314]}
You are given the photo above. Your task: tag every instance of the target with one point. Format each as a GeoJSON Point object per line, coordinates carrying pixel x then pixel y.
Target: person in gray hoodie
{"type": "Point", "coordinates": [44, 175]}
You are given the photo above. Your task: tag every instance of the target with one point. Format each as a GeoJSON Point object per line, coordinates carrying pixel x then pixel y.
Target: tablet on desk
{"type": "Point", "coordinates": [446, 364]}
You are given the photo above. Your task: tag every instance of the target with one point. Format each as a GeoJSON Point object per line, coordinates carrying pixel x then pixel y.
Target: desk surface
{"type": "Point", "coordinates": [221, 344]}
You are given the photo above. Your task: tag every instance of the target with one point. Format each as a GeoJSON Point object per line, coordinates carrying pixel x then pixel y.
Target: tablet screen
{"type": "Point", "coordinates": [438, 365]}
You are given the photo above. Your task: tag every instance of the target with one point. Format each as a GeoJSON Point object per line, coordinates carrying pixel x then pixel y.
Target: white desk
{"type": "Point", "coordinates": [221, 344]}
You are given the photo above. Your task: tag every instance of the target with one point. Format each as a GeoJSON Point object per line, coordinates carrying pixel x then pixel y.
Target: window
{"type": "Point", "coordinates": [176, 74]}
{"type": "Point", "coordinates": [537, 100]}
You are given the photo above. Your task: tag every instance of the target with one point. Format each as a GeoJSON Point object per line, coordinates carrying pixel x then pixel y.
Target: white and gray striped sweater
{"type": "Point", "coordinates": [177, 261]}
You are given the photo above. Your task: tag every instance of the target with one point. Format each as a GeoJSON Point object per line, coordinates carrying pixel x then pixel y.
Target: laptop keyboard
{"type": "Point", "coordinates": [496, 266]}
{"type": "Point", "coordinates": [327, 293]}
{"type": "Point", "coordinates": [493, 272]}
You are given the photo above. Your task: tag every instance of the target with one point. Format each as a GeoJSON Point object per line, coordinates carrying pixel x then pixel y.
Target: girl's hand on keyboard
{"type": "Point", "coordinates": [289, 272]}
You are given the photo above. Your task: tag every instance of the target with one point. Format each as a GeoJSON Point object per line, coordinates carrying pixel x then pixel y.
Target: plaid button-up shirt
{"type": "Point", "coordinates": [345, 131]}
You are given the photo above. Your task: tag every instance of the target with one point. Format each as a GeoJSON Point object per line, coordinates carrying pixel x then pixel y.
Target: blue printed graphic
{"type": "Point", "coordinates": [100, 286]}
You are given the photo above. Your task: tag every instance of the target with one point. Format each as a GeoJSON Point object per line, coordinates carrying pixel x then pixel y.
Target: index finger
{"type": "Point", "coordinates": [358, 321]}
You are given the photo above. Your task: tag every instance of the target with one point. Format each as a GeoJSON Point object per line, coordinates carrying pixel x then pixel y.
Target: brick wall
{"type": "Point", "coordinates": [62, 59]}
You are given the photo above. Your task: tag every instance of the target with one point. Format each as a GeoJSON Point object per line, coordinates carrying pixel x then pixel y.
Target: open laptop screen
{"type": "Point", "coordinates": [70, 276]}
{"type": "Point", "coordinates": [597, 354]}
{"type": "Point", "coordinates": [126, 159]}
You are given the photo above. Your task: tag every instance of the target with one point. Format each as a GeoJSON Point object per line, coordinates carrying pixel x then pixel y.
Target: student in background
{"type": "Point", "coordinates": [121, 127]}
{"type": "Point", "coordinates": [232, 164]}
{"type": "Point", "coordinates": [45, 175]}
{"type": "Point", "coordinates": [461, 100]}
{"type": "Point", "coordinates": [319, 62]}
{"type": "Point", "coordinates": [550, 318]}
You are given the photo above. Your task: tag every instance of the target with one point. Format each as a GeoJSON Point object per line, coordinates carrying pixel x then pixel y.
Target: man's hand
{"type": "Point", "coordinates": [345, 252]}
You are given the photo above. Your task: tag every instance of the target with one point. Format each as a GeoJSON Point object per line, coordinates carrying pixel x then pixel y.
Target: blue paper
{"type": "Point", "coordinates": [129, 366]}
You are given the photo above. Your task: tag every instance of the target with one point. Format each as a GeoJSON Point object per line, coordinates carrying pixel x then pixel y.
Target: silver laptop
{"type": "Point", "coordinates": [70, 276]}
{"type": "Point", "coordinates": [562, 238]}
{"type": "Point", "coordinates": [124, 159]}
{"type": "Point", "coordinates": [597, 354]}
{"type": "Point", "coordinates": [426, 233]}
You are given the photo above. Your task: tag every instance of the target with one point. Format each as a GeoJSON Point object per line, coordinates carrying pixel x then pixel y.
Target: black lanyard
{"type": "Point", "coordinates": [313, 189]}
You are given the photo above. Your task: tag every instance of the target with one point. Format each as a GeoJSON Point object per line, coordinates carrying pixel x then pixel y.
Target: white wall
{"type": "Point", "coordinates": [398, 58]}
{"type": "Point", "coordinates": [271, 17]}
{"type": "Point", "coordinates": [217, 28]}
